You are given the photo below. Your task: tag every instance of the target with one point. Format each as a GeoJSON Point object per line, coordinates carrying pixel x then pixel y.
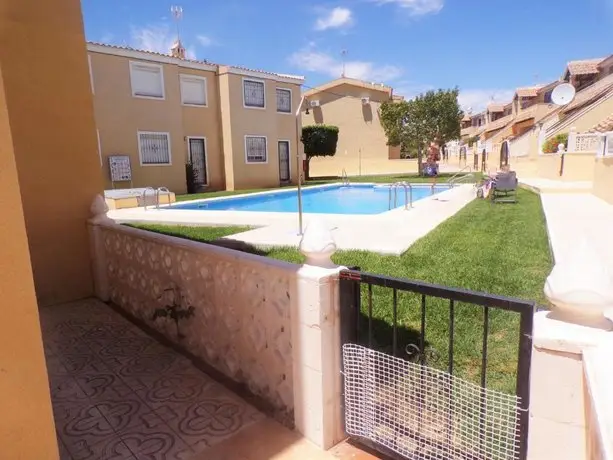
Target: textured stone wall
{"type": "Point", "coordinates": [241, 324]}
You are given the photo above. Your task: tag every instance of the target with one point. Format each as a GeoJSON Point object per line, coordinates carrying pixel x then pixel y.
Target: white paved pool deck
{"type": "Point", "coordinates": [390, 233]}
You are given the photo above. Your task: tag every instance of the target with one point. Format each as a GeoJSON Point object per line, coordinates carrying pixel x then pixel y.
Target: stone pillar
{"type": "Point", "coordinates": [572, 140]}
{"type": "Point", "coordinates": [98, 210]}
{"type": "Point", "coordinates": [581, 295]}
{"type": "Point", "coordinates": [316, 341]}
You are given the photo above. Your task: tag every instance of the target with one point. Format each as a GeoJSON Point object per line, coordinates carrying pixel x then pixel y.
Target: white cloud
{"type": "Point", "coordinates": [416, 7]}
{"type": "Point", "coordinates": [158, 38]}
{"type": "Point", "coordinates": [335, 18]}
{"type": "Point", "coordinates": [204, 40]}
{"type": "Point", "coordinates": [478, 99]}
{"type": "Point", "coordinates": [313, 60]}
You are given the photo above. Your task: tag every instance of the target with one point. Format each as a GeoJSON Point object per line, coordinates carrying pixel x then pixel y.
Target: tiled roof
{"type": "Point", "coordinates": [591, 93]}
{"type": "Point", "coordinates": [584, 67]}
{"type": "Point", "coordinates": [604, 126]}
{"type": "Point", "coordinates": [466, 117]}
{"type": "Point", "coordinates": [193, 61]}
{"type": "Point", "coordinates": [499, 124]}
{"type": "Point", "coordinates": [496, 107]}
{"type": "Point", "coordinates": [528, 91]}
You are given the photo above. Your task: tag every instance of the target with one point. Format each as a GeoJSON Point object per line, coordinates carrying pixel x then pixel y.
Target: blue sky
{"type": "Point", "coordinates": [487, 48]}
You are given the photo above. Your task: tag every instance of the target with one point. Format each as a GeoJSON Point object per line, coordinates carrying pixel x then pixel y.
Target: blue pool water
{"type": "Point", "coordinates": [336, 199]}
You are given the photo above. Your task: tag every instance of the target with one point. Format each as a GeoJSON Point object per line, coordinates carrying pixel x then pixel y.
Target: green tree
{"type": "Point", "coordinates": [413, 124]}
{"type": "Point", "coordinates": [318, 141]}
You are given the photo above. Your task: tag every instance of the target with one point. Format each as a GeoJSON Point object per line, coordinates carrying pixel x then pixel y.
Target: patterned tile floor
{"type": "Point", "coordinates": [119, 394]}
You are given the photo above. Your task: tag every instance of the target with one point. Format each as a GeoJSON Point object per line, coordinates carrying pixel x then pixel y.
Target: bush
{"type": "Point", "coordinates": [190, 176]}
{"type": "Point", "coordinates": [551, 144]}
{"type": "Point", "coordinates": [319, 140]}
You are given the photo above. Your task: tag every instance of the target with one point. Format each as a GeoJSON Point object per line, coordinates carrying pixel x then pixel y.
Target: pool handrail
{"type": "Point", "coordinates": [408, 192]}
{"type": "Point", "coordinates": [157, 196]}
{"type": "Point", "coordinates": [144, 196]}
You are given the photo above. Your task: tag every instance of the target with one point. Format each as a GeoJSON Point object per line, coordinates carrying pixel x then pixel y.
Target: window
{"type": "Point", "coordinates": [147, 80]}
{"type": "Point", "coordinates": [284, 100]}
{"type": "Point", "coordinates": [154, 148]}
{"type": "Point", "coordinates": [193, 90]}
{"type": "Point", "coordinates": [254, 94]}
{"type": "Point", "coordinates": [255, 149]}
{"type": "Point", "coordinates": [547, 97]}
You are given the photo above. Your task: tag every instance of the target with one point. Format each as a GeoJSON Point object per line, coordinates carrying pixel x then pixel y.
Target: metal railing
{"type": "Point", "coordinates": [144, 196]}
{"type": "Point", "coordinates": [402, 383]}
{"type": "Point", "coordinates": [344, 177]}
{"type": "Point", "coordinates": [461, 176]}
{"type": "Point", "coordinates": [157, 196]}
{"type": "Point", "coordinates": [408, 195]}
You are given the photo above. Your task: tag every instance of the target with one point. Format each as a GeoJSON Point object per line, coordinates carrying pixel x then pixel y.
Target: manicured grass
{"type": "Point", "coordinates": [500, 249]}
{"type": "Point", "coordinates": [321, 181]}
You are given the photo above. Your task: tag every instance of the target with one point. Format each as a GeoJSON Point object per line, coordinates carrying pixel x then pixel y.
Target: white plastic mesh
{"type": "Point", "coordinates": [422, 413]}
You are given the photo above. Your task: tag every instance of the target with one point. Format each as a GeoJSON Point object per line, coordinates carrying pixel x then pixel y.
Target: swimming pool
{"type": "Point", "coordinates": [333, 199]}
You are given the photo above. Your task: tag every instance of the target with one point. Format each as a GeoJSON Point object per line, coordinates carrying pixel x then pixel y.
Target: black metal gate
{"type": "Point", "coordinates": [403, 398]}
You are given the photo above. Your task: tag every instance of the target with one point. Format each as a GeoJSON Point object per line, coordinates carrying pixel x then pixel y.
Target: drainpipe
{"type": "Point", "coordinates": [299, 164]}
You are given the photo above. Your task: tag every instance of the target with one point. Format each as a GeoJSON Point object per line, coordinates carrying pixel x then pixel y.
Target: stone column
{"type": "Point", "coordinates": [315, 319]}
{"type": "Point", "coordinates": [99, 218]}
{"type": "Point", "coordinates": [581, 295]}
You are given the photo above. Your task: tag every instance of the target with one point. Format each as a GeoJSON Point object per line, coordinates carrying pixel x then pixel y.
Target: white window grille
{"type": "Point", "coordinates": [284, 100]}
{"type": "Point", "coordinates": [154, 148]}
{"type": "Point", "coordinates": [254, 93]}
{"type": "Point", "coordinates": [147, 80]}
{"type": "Point", "coordinates": [256, 149]}
{"type": "Point", "coordinates": [193, 90]}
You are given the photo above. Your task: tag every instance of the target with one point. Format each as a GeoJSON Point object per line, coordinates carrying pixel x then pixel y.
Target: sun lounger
{"type": "Point", "coordinates": [504, 189]}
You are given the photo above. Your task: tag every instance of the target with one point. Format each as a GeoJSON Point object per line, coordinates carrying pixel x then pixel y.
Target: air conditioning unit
{"type": "Point", "coordinates": [365, 100]}
{"type": "Point", "coordinates": [314, 103]}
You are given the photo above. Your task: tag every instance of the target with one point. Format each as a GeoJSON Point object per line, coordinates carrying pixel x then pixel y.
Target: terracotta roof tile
{"type": "Point", "coordinates": [466, 117]}
{"type": "Point", "coordinates": [604, 126]}
{"type": "Point", "coordinates": [584, 67]}
{"type": "Point", "coordinates": [499, 124]}
{"type": "Point", "coordinates": [591, 93]}
{"type": "Point", "coordinates": [496, 107]}
{"type": "Point", "coordinates": [195, 61]}
{"type": "Point", "coordinates": [528, 91]}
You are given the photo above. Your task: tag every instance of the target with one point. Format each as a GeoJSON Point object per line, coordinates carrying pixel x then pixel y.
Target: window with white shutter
{"type": "Point", "coordinates": [284, 100]}
{"type": "Point", "coordinates": [154, 148]}
{"type": "Point", "coordinates": [147, 80]}
{"type": "Point", "coordinates": [193, 90]}
{"type": "Point", "coordinates": [254, 94]}
{"type": "Point", "coordinates": [256, 149]}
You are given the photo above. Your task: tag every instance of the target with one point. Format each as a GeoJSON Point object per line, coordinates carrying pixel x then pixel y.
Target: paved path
{"type": "Point", "coordinates": [576, 217]}
{"type": "Point", "coordinates": [118, 394]}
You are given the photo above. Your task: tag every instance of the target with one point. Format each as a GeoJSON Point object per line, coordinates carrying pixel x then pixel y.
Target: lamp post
{"type": "Point", "coordinates": [299, 165]}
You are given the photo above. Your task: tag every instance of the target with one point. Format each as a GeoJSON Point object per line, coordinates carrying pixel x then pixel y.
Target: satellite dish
{"type": "Point", "coordinates": [563, 94]}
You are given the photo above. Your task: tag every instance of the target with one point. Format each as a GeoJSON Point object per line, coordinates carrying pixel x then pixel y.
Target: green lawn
{"type": "Point", "coordinates": [500, 249]}
{"type": "Point", "coordinates": [320, 181]}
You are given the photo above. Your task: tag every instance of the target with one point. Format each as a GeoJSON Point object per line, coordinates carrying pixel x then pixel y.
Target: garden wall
{"type": "Point", "coordinates": [270, 325]}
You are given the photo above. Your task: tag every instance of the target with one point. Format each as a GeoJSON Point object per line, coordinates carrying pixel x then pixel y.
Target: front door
{"type": "Point", "coordinates": [197, 156]}
{"type": "Point", "coordinates": [284, 174]}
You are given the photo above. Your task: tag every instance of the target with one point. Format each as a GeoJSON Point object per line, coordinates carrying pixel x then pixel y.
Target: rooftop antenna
{"type": "Point", "coordinates": [343, 57]}
{"type": "Point", "coordinates": [177, 14]}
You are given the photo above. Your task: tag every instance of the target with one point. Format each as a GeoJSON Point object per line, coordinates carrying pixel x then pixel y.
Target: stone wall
{"type": "Point", "coordinates": [241, 322]}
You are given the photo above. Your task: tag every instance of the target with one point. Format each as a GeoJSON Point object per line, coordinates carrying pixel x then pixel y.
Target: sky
{"type": "Point", "coordinates": [486, 48]}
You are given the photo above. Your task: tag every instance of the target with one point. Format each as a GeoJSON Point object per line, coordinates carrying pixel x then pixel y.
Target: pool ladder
{"type": "Point", "coordinates": [156, 193]}
{"type": "Point", "coordinates": [408, 195]}
{"type": "Point", "coordinates": [344, 177]}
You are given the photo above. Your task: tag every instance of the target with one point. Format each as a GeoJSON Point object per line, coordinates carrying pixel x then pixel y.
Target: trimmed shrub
{"type": "Point", "coordinates": [551, 144]}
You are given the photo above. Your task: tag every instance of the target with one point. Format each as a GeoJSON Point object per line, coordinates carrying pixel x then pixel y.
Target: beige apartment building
{"type": "Point", "coordinates": [353, 106]}
{"type": "Point", "coordinates": [155, 113]}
